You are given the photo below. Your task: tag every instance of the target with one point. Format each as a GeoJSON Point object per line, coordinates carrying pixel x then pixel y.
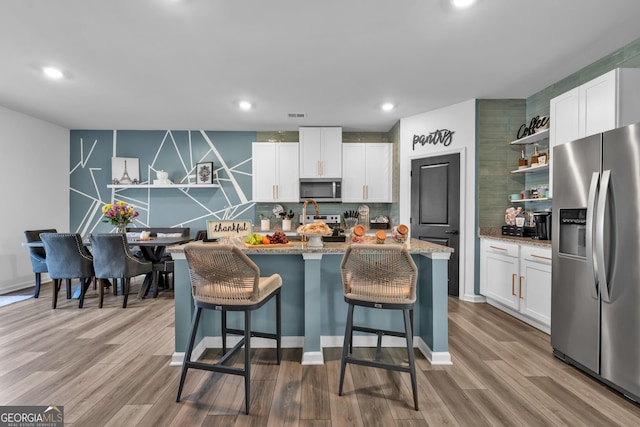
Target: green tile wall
{"type": "Point", "coordinates": [498, 122]}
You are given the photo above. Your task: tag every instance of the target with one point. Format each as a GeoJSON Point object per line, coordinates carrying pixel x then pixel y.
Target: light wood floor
{"type": "Point", "coordinates": [111, 367]}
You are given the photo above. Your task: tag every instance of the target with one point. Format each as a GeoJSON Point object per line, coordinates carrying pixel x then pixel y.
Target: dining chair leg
{"type": "Point", "coordinates": [189, 350]}
{"type": "Point", "coordinates": [247, 361]}
{"type": "Point", "coordinates": [101, 292]}
{"type": "Point", "coordinates": [84, 286]}
{"type": "Point", "coordinates": [69, 289]}
{"type": "Point", "coordinates": [36, 293]}
{"type": "Point", "coordinates": [56, 288]}
{"type": "Point", "coordinates": [125, 290]}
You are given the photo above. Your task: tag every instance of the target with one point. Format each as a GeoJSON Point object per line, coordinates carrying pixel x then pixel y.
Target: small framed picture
{"type": "Point", "coordinates": [125, 171]}
{"type": "Point", "coordinates": [204, 173]}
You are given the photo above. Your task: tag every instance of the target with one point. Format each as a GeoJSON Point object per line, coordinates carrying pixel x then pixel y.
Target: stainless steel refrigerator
{"type": "Point", "coordinates": [595, 304]}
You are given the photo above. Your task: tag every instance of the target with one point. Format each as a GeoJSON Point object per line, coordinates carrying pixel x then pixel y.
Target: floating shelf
{"type": "Point", "coordinates": [118, 186]}
{"type": "Point", "coordinates": [531, 139]}
{"type": "Point", "coordinates": [533, 169]}
{"type": "Point", "coordinates": [542, 199]}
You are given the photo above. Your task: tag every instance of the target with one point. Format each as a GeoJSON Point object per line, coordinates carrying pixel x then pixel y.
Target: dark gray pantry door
{"type": "Point", "coordinates": [435, 206]}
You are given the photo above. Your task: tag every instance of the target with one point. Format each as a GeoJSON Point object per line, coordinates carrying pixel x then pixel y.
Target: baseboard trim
{"type": "Point", "coordinates": [316, 357]}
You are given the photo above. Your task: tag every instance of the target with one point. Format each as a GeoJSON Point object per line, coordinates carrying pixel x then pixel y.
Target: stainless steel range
{"type": "Point", "coordinates": [332, 220]}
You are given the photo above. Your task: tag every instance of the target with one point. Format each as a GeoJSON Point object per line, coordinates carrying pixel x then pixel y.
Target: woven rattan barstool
{"type": "Point", "coordinates": [379, 277]}
{"type": "Point", "coordinates": [223, 278]}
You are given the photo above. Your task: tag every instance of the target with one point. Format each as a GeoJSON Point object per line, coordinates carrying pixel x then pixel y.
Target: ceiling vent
{"type": "Point", "coordinates": [296, 115]}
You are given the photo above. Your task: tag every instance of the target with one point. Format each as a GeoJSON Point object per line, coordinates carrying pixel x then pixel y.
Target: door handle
{"type": "Point", "coordinates": [600, 260]}
{"type": "Point", "coordinates": [589, 240]}
{"type": "Point", "coordinates": [451, 232]}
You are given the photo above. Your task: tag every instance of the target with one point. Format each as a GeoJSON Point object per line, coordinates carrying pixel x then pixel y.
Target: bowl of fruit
{"type": "Point", "coordinates": [278, 238]}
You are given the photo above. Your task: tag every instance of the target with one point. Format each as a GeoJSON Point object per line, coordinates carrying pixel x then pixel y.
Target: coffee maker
{"type": "Point", "coordinates": [542, 221]}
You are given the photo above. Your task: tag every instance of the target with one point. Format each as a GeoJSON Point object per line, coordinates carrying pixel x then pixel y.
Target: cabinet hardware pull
{"type": "Point", "coordinates": [520, 291]}
{"type": "Point", "coordinates": [273, 192]}
{"type": "Point", "coordinates": [540, 256]}
{"type": "Point", "coordinates": [367, 193]}
{"type": "Point", "coordinates": [363, 193]}
{"type": "Point", "coordinates": [498, 248]}
{"type": "Point", "coordinates": [277, 191]}
{"type": "Point", "coordinates": [513, 284]}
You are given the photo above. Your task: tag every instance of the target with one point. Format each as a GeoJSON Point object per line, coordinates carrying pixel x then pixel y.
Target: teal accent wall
{"type": "Point", "coordinates": [175, 152]}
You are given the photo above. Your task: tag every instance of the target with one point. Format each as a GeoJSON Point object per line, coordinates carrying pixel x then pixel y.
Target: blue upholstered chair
{"type": "Point", "coordinates": [67, 258]}
{"type": "Point", "coordinates": [38, 256]}
{"type": "Point", "coordinates": [113, 259]}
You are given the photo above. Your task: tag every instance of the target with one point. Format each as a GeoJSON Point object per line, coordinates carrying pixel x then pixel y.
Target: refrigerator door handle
{"type": "Point", "coordinates": [591, 207]}
{"type": "Point", "coordinates": [602, 204]}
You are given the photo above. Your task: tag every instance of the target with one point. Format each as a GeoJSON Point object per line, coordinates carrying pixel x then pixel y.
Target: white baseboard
{"type": "Point", "coordinates": [316, 357]}
{"type": "Point", "coordinates": [474, 298]}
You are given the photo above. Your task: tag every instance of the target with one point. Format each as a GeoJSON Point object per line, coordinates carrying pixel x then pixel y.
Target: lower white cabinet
{"type": "Point", "coordinates": [517, 279]}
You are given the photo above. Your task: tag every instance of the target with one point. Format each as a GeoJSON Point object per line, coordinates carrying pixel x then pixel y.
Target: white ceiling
{"type": "Point", "coordinates": [184, 64]}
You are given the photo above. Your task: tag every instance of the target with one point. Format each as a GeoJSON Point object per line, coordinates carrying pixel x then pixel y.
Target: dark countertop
{"type": "Point", "coordinates": [496, 233]}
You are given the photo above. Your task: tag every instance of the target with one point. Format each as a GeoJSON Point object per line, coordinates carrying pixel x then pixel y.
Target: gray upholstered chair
{"type": "Point", "coordinates": [112, 259]}
{"type": "Point", "coordinates": [67, 258]}
{"type": "Point", "coordinates": [224, 279]}
{"type": "Point", "coordinates": [38, 257]}
{"type": "Point", "coordinates": [379, 277]}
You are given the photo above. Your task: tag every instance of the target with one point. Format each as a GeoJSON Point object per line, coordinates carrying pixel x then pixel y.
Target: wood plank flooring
{"type": "Point", "coordinates": [110, 367]}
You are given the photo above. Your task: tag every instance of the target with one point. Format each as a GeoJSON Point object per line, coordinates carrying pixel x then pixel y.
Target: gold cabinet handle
{"type": "Point", "coordinates": [500, 249]}
{"type": "Point", "coordinates": [277, 191]}
{"type": "Point", "coordinates": [540, 256]}
{"type": "Point", "coordinates": [520, 291]}
{"type": "Point", "coordinates": [513, 284]}
{"type": "Point", "coordinates": [273, 192]}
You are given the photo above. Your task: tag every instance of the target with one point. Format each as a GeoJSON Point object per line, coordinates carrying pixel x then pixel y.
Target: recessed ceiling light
{"type": "Point", "coordinates": [387, 106]}
{"type": "Point", "coordinates": [52, 73]}
{"type": "Point", "coordinates": [245, 105]}
{"type": "Point", "coordinates": [461, 4]}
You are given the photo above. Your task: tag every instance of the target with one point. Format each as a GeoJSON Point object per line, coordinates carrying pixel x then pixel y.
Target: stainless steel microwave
{"type": "Point", "coordinates": [321, 189]}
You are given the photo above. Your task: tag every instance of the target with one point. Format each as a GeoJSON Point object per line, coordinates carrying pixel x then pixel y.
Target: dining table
{"type": "Point", "coordinates": [152, 249]}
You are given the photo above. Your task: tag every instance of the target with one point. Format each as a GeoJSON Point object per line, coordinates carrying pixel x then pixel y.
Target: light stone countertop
{"type": "Point", "coordinates": [415, 246]}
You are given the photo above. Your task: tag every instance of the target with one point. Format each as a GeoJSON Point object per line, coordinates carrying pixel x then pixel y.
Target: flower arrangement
{"type": "Point", "coordinates": [119, 214]}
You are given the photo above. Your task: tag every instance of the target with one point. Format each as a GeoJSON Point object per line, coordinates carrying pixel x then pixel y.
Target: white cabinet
{"type": "Point", "coordinates": [320, 152]}
{"type": "Point", "coordinates": [275, 172]}
{"type": "Point", "coordinates": [604, 103]}
{"type": "Point", "coordinates": [499, 271]}
{"type": "Point", "coordinates": [534, 283]}
{"type": "Point", "coordinates": [517, 279]}
{"type": "Point", "coordinates": [367, 172]}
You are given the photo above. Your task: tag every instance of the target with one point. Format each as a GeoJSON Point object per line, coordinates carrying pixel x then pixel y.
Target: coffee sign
{"type": "Point", "coordinates": [536, 124]}
{"type": "Point", "coordinates": [439, 136]}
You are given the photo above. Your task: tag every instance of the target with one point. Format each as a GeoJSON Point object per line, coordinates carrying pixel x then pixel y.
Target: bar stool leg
{"type": "Point", "coordinates": [247, 360]}
{"type": "Point", "coordinates": [187, 354]}
{"type": "Point", "coordinates": [278, 327]}
{"type": "Point", "coordinates": [224, 331]}
{"type": "Point", "coordinates": [412, 364]}
{"type": "Point", "coordinates": [348, 333]}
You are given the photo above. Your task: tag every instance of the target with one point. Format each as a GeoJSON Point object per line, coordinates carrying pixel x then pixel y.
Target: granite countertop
{"type": "Point", "coordinates": [415, 246]}
{"type": "Point", "coordinates": [496, 233]}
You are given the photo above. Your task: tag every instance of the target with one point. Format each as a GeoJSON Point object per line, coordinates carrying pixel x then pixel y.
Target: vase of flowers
{"type": "Point", "coordinates": [119, 215]}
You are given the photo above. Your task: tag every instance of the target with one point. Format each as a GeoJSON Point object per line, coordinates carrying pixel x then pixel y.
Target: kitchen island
{"type": "Point", "coordinates": [313, 309]}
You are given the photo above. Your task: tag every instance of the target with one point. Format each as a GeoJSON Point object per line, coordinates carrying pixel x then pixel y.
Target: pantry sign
{"type": "Point", "coordinates": [438, 136]}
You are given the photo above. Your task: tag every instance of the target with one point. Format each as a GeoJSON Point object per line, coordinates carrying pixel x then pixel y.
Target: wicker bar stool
{"type": "Point", "coordinates": [223, 278]}
{"type": "Point", "coordinates": [379, 277]}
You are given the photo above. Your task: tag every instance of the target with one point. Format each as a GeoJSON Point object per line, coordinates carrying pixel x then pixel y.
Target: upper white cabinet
{"type": "Point", "coordinates": [320, 152]}
{"type": "Point", "coordinates": [367, 172]}
{"type": "Point", "coordinates": [604, 103]}
{"type": "Point", "coordinates": [275, 172]}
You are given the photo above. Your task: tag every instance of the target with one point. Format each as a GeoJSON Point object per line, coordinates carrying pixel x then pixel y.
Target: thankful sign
{"type": "Point", "coordinates": [228, 228]}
